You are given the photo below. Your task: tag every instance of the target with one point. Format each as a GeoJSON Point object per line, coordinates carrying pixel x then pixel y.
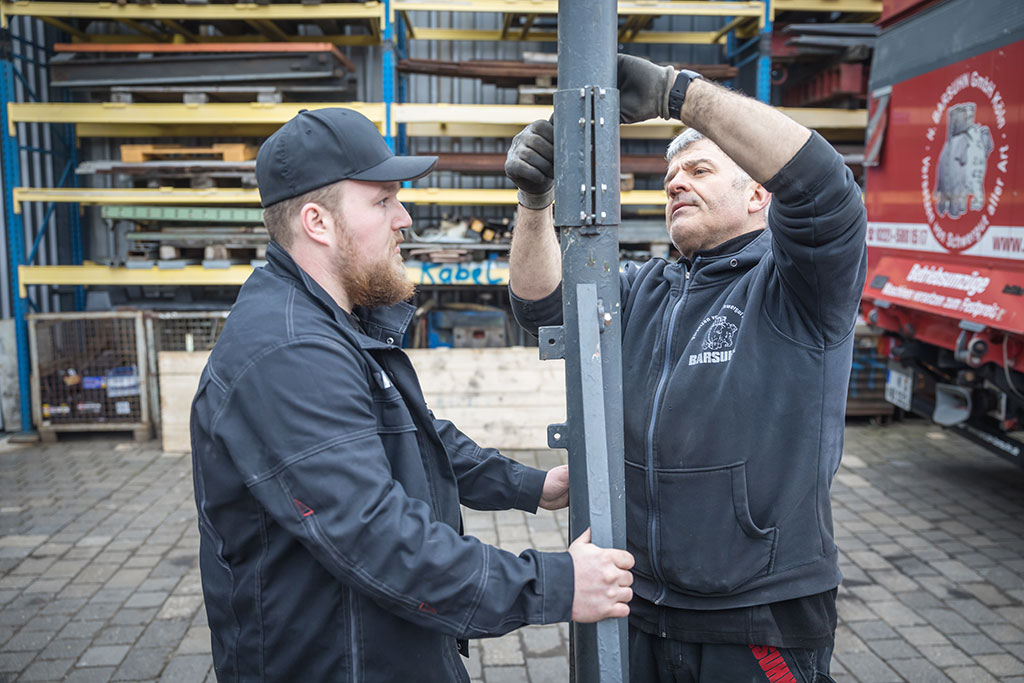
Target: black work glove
{"type": "Point", "coordinates": [643, 89]}
{"type": "Point", "coordinates": [530, 164]}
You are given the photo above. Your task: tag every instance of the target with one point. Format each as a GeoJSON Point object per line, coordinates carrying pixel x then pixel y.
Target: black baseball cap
{"type": "Point", "coordinates": [322, 146]}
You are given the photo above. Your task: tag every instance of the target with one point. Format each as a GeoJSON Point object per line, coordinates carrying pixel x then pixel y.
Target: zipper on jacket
{"type": "Point", "coordinates": [652, 509]}
{"type": "Point", "coordinates": [353, 634]}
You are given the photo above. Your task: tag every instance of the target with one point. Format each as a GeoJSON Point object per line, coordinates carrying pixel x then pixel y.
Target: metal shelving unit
{"type": "Point", "coordinates": [389, 25]}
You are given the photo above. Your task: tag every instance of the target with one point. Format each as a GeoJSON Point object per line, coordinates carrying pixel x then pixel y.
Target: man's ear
{"type": "Point", "coordinates": [759, 199]}
{"type": "Point", "coordinates": [317, 223]}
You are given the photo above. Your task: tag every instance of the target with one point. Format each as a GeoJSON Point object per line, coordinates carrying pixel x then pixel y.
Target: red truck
{"type": "Point", "coordinates": [944, 191]}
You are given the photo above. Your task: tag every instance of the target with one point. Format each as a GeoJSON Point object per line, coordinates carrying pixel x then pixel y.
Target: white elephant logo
{"type": "Point", "coordinates": [961, 172]}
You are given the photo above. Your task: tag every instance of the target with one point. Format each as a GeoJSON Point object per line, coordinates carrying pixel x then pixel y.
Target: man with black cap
{"type": "Point", "coordinates": [331, 545]}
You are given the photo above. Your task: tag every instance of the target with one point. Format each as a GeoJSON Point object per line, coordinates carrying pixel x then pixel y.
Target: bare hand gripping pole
{"type": "Point", "coordinates": [587, 216]}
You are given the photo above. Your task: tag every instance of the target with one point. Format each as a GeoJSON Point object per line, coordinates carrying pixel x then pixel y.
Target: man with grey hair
{"type": "Point", "coordinates": [736, 361]}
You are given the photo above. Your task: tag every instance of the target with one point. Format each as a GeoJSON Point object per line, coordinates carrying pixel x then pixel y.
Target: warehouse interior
{"type": "Point", "coordinates": [131, 215]}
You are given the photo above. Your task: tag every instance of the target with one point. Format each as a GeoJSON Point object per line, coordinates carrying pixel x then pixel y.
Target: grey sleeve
{"type": "Point", "coordinates": [548, 311]}
{"type": "Point", "coordinates": [487, 479]}
{"type": "Point", "coordinates": [818, 226]}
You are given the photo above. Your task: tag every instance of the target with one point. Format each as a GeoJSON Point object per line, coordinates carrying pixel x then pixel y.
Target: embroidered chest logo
{"type": "Point", "coordinates": [719, 336]}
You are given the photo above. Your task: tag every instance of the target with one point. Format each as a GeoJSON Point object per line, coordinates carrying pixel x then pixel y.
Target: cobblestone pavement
{"type": "Point", "coordinates": [99, 578]}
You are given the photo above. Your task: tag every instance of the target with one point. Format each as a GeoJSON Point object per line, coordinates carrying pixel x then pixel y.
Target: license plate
{"type": "Point", "coordinates": [899, 387]}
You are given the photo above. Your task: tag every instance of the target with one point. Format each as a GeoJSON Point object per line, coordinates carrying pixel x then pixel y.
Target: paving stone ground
{"type": "Point", "coordinates": [99, 578]}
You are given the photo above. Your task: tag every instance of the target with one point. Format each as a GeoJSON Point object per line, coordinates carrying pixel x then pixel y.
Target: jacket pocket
{"type": "Point", "coordinates": [707, 541]}
{"type": "Point", "coordinates": [638, 519]}
{"type": "Point", "coordinates": [393, 416]}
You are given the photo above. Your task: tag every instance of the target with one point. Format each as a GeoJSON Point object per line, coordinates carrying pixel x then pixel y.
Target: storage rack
{"type": "Point", "coordinates": [388, 26]}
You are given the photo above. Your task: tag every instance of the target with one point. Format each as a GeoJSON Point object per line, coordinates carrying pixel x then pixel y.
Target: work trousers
{"type": "Point", "coordinates": [653, 659]}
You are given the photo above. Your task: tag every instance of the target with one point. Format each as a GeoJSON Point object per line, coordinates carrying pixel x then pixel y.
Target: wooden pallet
{"type": "Point", "coordinates": [139, 432]}
{"type": "Point", "coordinates": [225, 151]}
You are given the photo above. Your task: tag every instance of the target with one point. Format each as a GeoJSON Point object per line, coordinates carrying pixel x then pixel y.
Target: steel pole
{"type": "Point", "coordinates": [587, 217]}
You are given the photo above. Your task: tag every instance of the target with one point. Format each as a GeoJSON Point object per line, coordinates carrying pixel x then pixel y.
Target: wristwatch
{"type": "Point", "coordinates": [678, 92]}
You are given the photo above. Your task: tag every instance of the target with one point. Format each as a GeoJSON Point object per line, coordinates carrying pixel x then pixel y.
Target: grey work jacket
{"type": "Point", "coordinates": [330, 530]}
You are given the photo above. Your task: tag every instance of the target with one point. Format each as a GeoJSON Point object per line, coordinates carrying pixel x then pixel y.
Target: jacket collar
{"type": "Point", "coordinates": [730, 246]}
{"type": "Point", "coordinates": [376, 328]}
{"type": "Point", "coordinates": [729, 258]}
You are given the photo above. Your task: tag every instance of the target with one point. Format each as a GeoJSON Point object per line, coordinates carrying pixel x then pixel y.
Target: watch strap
{"type": "Point", "coordinates": [677, 95]}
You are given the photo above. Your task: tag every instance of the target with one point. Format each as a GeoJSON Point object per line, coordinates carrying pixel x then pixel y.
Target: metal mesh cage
{"type": "Point", "coordinates": [185, 331]}
{"type": "Point", "coordinates": [89, 370]}
{"type": "Point", "coordinates": [178, 331]}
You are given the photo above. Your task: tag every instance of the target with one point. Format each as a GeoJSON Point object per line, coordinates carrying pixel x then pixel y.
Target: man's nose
{"type": "Point", "coordinates": [402, 220]}
{"type": "Point", "coordinates": [678, 183]}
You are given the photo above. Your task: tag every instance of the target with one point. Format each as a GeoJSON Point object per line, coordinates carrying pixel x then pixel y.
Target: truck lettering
{"type": "Point", "coordinates": [999, 108]}
{"type": "Point", "coordinates": [983, 84]}
{"type": "Point", "coordinates": [993, 198]}
{"type": "Point", "coordinates": [937, 276]}
{"type": "Point", "coordinates": [1004, 158]}
{"type": "Point", "coordinates": [926, 189]}
{"type": "Point", "coordinates": [958, 84]}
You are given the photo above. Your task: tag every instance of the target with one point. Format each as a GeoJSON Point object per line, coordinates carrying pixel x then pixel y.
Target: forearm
{"type": "Point", "coordinates": [487, 479]}
{"type": "Point", "coordinates": [759, 138]}
{"type": "Point", "coordinates": [535, 262]}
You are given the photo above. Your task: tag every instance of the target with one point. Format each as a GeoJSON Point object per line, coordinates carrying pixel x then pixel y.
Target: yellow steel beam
{"type": "Point", "coordinates": [469, 113]}
{"type": "Point", "coordinates": [636, 10]}
{"type": "Point", "coordinates": [419, 272]}
{"type": "Point", "coordinates": [250, 197]}
{"type": "Point", "coordinates": [180, 30]}
{"type": "Point", "coordinates": [106, 275]}
{"type": "Point", "coordinates": [731, 25]}
{"type": "Point", "coordinates": [672, 37]}
{"type": "Point", "coordinates": [115, 119]}
{"type": "Point", "coordinates": [142, 29]}
{"type": "Point", "coordinates": [409, 30]}
{"type": "Point", "coordinates": [473, 197]}
{"type": "Point", "coordinates": [340, 39]}
{"type": "Point", "coordinates": [464, 120]}
{"type": "Point", "coordinates": [869, 6]}
{"type": "Point", "coordinates": [506, 24]}
{"type": "Point", "coordinates": [701, 8]}
{"type": "Point", "coordinates": [527, 25]}
{"type": "Point", "coordinates": [656, 130]}
{"type": "Point", "coordinates": [63, 26]}
{"type": "Point", "coordinates": [197, 12]}
{"type": "Point", "coordinates": [641, 24]}
{"type": "Point", "coordinates": [268, 29]}
{"type": "Point", "coordinates": [164, 130]}
{"type": "Point", "coordinates": [157, 196]}
{"type": "Point", "coordinates": [111, 116]}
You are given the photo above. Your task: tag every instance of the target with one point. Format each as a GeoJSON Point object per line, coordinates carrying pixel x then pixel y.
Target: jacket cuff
{"type": "Point", "coordinates": [559, 586]}
{"type": "Point", "coordinates": [530, 488]}
{"type": "Point", "coordinates": [812, 166]}
{"type": "Point", "coordinates": [532, 314]}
